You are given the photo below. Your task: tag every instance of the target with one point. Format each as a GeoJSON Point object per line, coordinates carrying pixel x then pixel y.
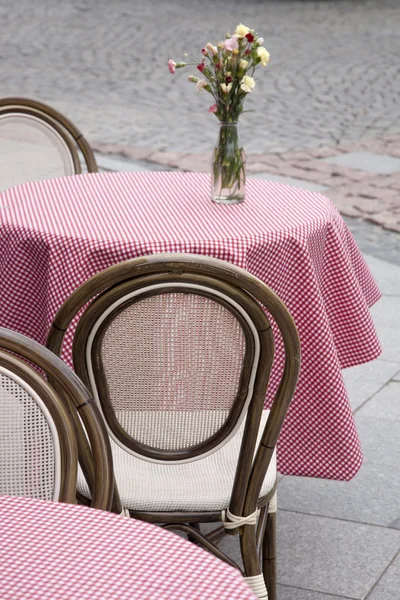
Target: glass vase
{"type": "Point", "coordinates": [228, 169]}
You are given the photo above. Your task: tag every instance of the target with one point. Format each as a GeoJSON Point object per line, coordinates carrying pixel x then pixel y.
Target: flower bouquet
{"type": "Point", "coordinates": [227, 71]}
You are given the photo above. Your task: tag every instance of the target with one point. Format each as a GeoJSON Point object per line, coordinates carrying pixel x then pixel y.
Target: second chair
{"type": "Point", "coordinates": [47, 421]}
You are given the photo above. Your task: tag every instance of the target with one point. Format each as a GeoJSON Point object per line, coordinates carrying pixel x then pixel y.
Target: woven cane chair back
{"type": "Point", "coordinates": [37, 142]}
{"type": "Point", "coordinates": [172, 364]}
{"type": "Point", "coordinates": [47, 421]}
{"type": "Point", "coordinates": [100, 301]}
{"type": "Point", "coordinates": [38, 454]}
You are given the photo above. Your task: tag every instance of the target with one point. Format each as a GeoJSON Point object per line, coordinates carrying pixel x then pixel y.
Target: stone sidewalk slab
{"type": "Point", "coordinates": [300, 183]}
{"type": "Point", "coordinates": [385, 404]}
{"type": "Point", "coordinates": [364, 381]}
{"type": "Point", "coordinates": [371, 497]}
{"type": "Point", "coordinates": [389, 339]}
{"type": "Point", "coordinates": [386, 312]}
{"type": "Point", "coordinates": [380, 440]}
{"type": "Point", "coordinates": [112, 164]}
{"type": "Point", "coordinates": [370, 162]}
{"type": "Point", "coordinates": [290, 593]}
{"type": "Point", "coordinates": [332, 556]}
{"type": "Point", "coordinates": [388, 588]}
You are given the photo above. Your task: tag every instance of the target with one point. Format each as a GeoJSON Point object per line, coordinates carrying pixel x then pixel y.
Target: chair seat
{"type": "Point", "coordinates": [201, 485]}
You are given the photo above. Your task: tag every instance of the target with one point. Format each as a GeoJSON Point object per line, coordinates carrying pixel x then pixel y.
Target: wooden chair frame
{"type": "Point", "coordinates": [256, 540]}
{"type": "Point", "coordinates": [74, 401]}
{"type": "Point", "coordinates": [64, 127]}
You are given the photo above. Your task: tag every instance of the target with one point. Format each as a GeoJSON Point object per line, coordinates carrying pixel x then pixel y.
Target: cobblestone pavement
{"type": "Point", "coordinates": [333, 75]}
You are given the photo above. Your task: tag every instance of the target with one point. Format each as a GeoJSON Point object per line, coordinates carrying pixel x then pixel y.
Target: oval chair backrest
{"type": "Point", "coordinates": [173, 363]}
{"type": "Point", "coordinates": [175, 268]}
{"type": "Point", "coordinates": [38, 375]}
{"type": "Point", "coordinates": [38, 454]}
{"type": "Point", "coordinates": [37, 142]}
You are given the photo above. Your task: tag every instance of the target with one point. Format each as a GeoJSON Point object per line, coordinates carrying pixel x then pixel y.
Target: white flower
{"type": "Point", "coordinates": [201, 83]}
{"type": "Point", "coordinates": [241, 31]}
{"type": "Point", "coordinates": [212, 49]}
{"type": "Point", "coordinates": [263, 55]}
{"type": "Point", "coordinates": [247, 84]}
{"type": "Point", "coordinates": [260, 41]}
{"type": "Point", "coordinates": [226, 88]}
{"type": "Point", "coordinates": [243, 64]}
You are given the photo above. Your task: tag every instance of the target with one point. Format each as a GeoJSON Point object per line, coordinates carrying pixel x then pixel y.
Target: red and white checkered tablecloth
{"type": "Point", "coordinates": [53, 551]}
{"type": "Point", "coordinates": [55, 234]}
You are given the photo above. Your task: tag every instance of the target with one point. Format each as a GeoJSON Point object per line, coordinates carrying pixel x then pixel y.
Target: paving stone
{"type": "Point", "coordinates": [385, 274]}
{"type": "Point", "coordinates": [386, 312]}
{"type": "Point", "coordinates": [373, 204]}
{"type": "Point", "coordinates": [389, 219]}
{"type": "Point", "coordinates": [391, 182]}
{"type": "Point", "coordinates": [343, 203]}
{"type": "Point", "coordinates": [332, 556]}
{"type": "Point", "coordinates": [133, 153]}
{"type": "Point", "coordinates": [372, 496]}
{"type": "Point", "coordinates": [192, 162]}
{"type": "Point", "coordinates": [395, 524]}
{"type": "Point", "coordinates": [380, 440]}
{"type": "Point", "coordinates": [324, 152]}
{"type": "Point", "coordinates": [389, 585]}
{"type": "Point", "coordinates": [363, 381]}
{"type": "Point", "coordinates": [389, 339]}
{"type": "Point", "coordinates": [108, 163]}
{"type": "Point", "coordinates": [367, 161]}
{"type": "Point", "coordinates": [385, 404]}
{"type": "Point", "coordinates": [172, 159]}
{"type": "Point", "coordinates": [290, 593]}
{"type": "Point", "coordinates": [305, 185]}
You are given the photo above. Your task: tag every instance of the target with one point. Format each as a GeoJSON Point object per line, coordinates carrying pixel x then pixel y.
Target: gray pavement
{"type": "Point", "coordinates": [333, 75]}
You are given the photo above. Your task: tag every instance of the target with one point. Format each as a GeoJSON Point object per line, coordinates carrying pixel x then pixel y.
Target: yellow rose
{"type": "Point", "coordinates": [263, 55]}
{"type": "Point", "coordinates": [241, 30]}
{"type": "Point", "coordinates": [247, 84]}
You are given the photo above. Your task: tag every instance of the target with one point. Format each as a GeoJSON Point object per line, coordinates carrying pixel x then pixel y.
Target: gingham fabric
{"type": "Point", "coordinates": [53, 551]}
{"type": "Point", "coordinates": [55, 234]}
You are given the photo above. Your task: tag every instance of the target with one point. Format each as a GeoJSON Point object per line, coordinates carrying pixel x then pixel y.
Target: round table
{"type": "Point", "coordinates": [55, 234]}
{"type": "Point", "coordinates": [53, 551]}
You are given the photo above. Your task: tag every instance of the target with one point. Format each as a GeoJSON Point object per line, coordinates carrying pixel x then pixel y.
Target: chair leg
{"type": "Point", "coordinates": [269, 549]}
{"type": "Point", "coordinates": [252, 570]}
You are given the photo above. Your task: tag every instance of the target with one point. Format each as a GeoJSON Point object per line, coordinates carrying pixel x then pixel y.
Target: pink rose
{"type": "Point", "coordinates": [171, 66]}
{"type": "Point", "coordinates": [213, 108]}
{"type": "Point", "coordinates": [231, 44]}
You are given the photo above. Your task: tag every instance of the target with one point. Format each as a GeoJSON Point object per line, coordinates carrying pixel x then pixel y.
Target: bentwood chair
{"type": "Point", "coordinates": [177, 350]}
{"type": "Point", "coordinates": [37, 142]}
{"type": "Point", "coordinates": [47, 422]}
